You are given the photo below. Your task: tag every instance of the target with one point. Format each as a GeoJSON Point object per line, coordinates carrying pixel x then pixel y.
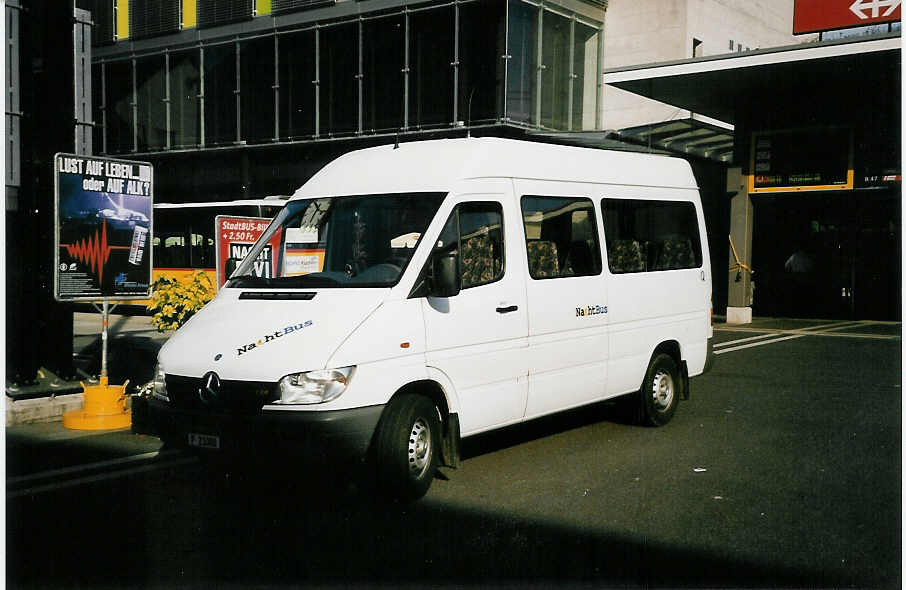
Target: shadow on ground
{"type": "Point", "coordinates": [273, 521]}
{"type": "Point", "coordinates": [306, 530]}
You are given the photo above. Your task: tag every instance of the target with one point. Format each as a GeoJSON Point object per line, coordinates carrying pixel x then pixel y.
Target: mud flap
{"type": "Point", "coordinates": [685, 370]}
{"type": "Point", "coordinates": [450, 445]}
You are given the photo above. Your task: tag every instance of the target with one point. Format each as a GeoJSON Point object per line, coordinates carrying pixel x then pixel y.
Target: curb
{"type": "Point", "coordinates": [47, 409]}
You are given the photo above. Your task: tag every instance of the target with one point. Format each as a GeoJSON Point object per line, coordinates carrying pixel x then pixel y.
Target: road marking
{"type": "Point", "coordinates": [741, 340]}
{"type": "Point", "coordinates": [836, 326]}
{"type": "Point", "coordinates": [50, 487]}
{"type": "Point", "coordinates": [774, 335]}
{"type": "Point", "coordinates": [87, 467]}
{"type": "Point", "coordinates": [752, 344]}
{"type": "Point", "coordinates": [822, 330]}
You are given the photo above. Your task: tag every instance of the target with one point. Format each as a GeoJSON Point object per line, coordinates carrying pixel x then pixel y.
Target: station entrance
{"type": "Point", "coordinates": [823, 255]}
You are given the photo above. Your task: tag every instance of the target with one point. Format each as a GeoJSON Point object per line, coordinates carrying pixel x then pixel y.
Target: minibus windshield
{"type": "Point", "coordinates": [346, 241]}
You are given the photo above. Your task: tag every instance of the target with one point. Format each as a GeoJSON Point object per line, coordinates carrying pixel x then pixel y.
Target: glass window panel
{"type": "Point", "coordinates": [561, 237]}
{"type": "Point", "coordinates": [482, 31]}
{"type": "Point", "coordinates": [201, 228]}
{"type": "Point", "coordinates": [644, 236]}
{"type": "Point", "coordinates": [522, 67]}
{"type": "Point", "coordinates": [97, 100]}
{"type": "Point", "coordinates": [339, 63]}
{"type": "Point", "coordinates": [185, 86]}
{"type": "Point", "coordinates": [119, 107]}
{"type": "Point", "coordinates": [169, 240]}
{"type": "Point", "coordinates": [555, 45]}
{"type": "Point", "coordinates": [431, 39]}
{"type": "Point", "coordinates": [297, 93]}
{"type": "Point", "coordinates": [474, 232]}
{"type": "Point", "coordinates": [256, 99]}
{"type": "Point", "coordinates": [585, 69]}
{"type": "Point", "coordinates": [219, 94]}
{"type": "Point", "coordinates": [384, 59]}
{"type": "Point", "coordinates": [150, 93]}
{"type": "Point", "coordinates": [481, 243]}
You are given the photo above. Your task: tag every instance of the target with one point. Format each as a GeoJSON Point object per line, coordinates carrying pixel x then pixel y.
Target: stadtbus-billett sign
{"type": "Point", "coordinates": [103, 228]}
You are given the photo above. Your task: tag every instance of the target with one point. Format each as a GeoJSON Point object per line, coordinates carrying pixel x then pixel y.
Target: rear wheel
{"type": "Point", "coordinates": [660, 391]}
{"type": "Point", "coordinates": [407, 447]}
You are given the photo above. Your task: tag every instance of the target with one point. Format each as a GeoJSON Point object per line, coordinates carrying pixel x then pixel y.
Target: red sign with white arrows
{"type": "Point", "coordinates": [813, 16]}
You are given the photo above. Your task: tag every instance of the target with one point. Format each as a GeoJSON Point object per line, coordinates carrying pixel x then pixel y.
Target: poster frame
{"type": "Point", "coordinates": [149, 249]}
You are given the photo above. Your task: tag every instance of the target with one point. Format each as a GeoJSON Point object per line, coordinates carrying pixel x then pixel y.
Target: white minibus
{"type": "Point", "coordinates": [429, 291]}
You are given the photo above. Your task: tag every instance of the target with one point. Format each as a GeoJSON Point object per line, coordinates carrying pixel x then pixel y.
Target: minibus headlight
{"type": "Point", "coordinates": [159, 388]}
{"type": "Point", "coordinates": [314, 387]}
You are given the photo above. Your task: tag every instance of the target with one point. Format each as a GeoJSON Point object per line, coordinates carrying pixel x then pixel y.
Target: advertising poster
{"type": "Point", "coordinates": [235, 236]}
{"type": "Point", "coordinates": [103, 228]}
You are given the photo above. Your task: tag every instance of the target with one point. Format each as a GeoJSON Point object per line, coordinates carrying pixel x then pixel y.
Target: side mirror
{"type": "Point", "coordinates": [229, 267]}
{"type": "Point", "coordinates": [445, 280]}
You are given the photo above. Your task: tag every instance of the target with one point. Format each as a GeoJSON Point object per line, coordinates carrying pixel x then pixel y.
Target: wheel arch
{"type": "Point", "coordinates": [673, 349]}
{"type": "Point", "coordinates": [448, 417]}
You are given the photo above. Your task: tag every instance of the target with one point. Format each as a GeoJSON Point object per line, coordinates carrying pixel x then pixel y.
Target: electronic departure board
{"type": "Point", "coordinates": [812, 159]}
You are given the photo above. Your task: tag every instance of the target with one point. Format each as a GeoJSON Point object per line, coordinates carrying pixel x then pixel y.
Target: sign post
{"type": "Point", "coordinates": [103, 230]}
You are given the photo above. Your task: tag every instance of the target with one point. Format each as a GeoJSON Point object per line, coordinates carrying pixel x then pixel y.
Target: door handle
{"type": "Point", "coordinates": [507, 308]}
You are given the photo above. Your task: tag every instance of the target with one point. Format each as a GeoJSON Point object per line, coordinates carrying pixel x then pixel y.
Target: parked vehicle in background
{"type": "Point", "coordinates": [184, 241]}
{"type": "Point", "coordinates": [184, 237]}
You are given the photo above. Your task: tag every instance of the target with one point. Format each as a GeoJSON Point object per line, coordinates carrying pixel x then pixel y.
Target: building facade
{"type": "Point", "coordinates": [668, 30]}
{"type": "Point", "coordinates": [277, 88]}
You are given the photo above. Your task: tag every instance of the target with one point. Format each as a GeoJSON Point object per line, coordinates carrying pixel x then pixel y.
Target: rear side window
{"type": "Point", "coordinates": [645, 236]}
{"type": "Point", "coordinates": [561, 237]}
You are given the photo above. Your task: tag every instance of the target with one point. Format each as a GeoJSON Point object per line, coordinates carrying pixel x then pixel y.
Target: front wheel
{"type": "Point", "coordinates": [407, 446]}
{"type": "Point", "coordinates": [660, 391]}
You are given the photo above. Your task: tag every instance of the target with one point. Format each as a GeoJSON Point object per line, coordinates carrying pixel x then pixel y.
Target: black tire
{"type": "Point", "coordinates": [660, 391]}
{"type": "Point", "coordinates": [407, 447]}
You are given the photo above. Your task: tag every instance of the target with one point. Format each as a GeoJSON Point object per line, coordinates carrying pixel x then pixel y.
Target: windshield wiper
{"type": "Point", "coordinates": [250, 281]}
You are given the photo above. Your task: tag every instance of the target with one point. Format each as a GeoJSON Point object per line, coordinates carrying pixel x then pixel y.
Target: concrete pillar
{"type": "Point", "coordinates": [740, 291]}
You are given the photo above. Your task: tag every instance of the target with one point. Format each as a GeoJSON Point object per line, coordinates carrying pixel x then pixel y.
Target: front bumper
{"type": "Point", "coordinates": [316, 434]}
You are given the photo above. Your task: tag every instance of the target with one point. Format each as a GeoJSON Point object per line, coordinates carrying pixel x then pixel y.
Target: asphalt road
{"type": "Point", "coordinates": [783, 470]}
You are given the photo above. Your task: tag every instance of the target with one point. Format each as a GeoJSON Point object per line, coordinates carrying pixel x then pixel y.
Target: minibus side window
{"type": "Point", "coordinates": [646, 236]}
{"type": "Point", "coordinates": [478, 242]}
{"type": "Point", "coordinates": [561, 237]}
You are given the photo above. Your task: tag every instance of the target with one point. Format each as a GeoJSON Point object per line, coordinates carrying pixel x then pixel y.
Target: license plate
{"type": "Point", "coordinates": [204, 441]}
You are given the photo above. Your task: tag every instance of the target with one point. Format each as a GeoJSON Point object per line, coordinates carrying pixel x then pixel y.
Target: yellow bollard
{"type": "Point", "coordinates": [104, 408]}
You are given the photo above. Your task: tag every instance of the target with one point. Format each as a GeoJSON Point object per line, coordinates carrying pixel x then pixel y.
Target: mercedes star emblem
{"type": "Point", "coordinates": [210, 388]}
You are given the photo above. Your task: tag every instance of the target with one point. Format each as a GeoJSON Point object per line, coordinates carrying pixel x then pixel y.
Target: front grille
{"type": "Point", "coordinates": [239, 397]}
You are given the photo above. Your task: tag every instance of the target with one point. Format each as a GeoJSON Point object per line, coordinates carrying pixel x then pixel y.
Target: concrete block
{"type": "Point", "coordinates": [739, 315]}
{"type": "Point", "coordinates": [43, 409]}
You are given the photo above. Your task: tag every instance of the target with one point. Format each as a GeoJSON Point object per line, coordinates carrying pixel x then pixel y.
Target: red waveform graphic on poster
{"type": "Point", "coordinates": [94, 252]}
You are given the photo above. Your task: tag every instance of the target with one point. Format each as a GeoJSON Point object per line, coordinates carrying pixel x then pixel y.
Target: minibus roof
{"type": "Point", "coordinates": [268, 201]}
{"type": "Point", "coordinates": [437, 165]}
